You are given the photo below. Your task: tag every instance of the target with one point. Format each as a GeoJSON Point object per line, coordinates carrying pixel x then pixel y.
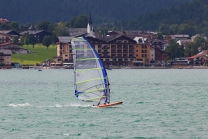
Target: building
{"type": "Point", "coordinates": [15, 48]}
{"type": "Point", "coordinates": [115, 48]}
{"type": "Point", "coordinates": [4, 38]}
{"type": "Point", "coordinates": [177, 37]}
{"type": "Point", "coordinates": [39, 34]}
{"type": "Point", "coordinates": [77, 31]}
{"type": "Point", "coordinates": [141, 54]}
{"type": "Point", "coordinates": [161, 56]}
{"type": "Point", "coordinates": [183, 42]}
{"type": "Point", "coordinates": [64, 49]}
{"type": "Point", "coordinates": [118, 51]}
{"type": "Point", "coordinates": [200, 58]}
{"type": "Point", "coordinates": [5, 59]}
{"type": "Point", "coordinates": [4, 21]}
{"type": "Point", "coordinates": [10, 32]}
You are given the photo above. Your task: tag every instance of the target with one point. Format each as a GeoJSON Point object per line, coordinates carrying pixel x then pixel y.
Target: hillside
{"type": "Point", "coordinates": [103, 11]}
{"type": "Point", "coordinates": [189, 18]}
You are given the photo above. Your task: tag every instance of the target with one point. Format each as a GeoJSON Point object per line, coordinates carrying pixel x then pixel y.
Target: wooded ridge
{"type": "Point", "coordinates": [103, 11]}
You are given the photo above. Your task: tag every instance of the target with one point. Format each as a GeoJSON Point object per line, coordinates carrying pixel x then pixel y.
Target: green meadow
{"type": "Point", "coordinates": [38, 54]}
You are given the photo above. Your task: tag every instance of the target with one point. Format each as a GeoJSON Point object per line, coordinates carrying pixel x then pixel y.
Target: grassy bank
{"type": "Point", "coordinates": [38, 54]}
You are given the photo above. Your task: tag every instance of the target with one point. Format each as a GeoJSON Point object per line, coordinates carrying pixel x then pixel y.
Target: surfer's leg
{"type": "Point", "coordinates": [98, 103]}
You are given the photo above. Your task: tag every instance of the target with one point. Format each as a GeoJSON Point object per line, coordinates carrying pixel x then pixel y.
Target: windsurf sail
{"type": "Point", "coordinates": [91, 82]}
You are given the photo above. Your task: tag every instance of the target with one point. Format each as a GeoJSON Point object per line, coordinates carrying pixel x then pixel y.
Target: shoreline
{"type": "Point", "coordinates": [112, 67]}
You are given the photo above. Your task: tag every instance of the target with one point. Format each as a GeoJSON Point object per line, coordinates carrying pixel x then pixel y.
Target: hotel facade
{"type": "Point", "coordinates": [118, 51]}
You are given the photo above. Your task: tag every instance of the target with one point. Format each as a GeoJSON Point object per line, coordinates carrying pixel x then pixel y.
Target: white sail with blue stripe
{"type": "Point", "coordinates": [91, 82]}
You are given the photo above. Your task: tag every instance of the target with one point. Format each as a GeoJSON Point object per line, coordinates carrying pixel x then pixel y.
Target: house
{"type": "Point", "coordinates": [15, 48]}
{"type": "Point", "coordinates": [183, 42]}
{"type": "Point", "coordinates": [201, 57]}
{"type": "Point", "coordinates": [5, 59]}
{"type": "Point", "coordinates": [118, 51]}
{"type": "Point", "coordinates": [64, 49]}
{"type": "Point", "coordinates": [161, 56]}
{"type": "Point", "coordinates": [141, 54]}
{"type": "Point", "coordinates": [39, 34]}
{"type": "Point", "coordinates": [77, 31]}
{"type": "Point", "coordinates": [10, 32]}
{"type": "Point", "coordinates": [155, 43]}
{"type": "Point", "coordinates": [4, 21]}
{"type": "Point", "coordinates": [176, 37]}
{"type": "Point", "coordinates": [5, 38]}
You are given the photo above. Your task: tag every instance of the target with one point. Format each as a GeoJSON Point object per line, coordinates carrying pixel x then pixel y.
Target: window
{"type": "Point", "coordinates": [136, 50]}
{"type": "Point", "coordinates": [144, 46]}
{"type": "Point", "coordinates": [144, 51]}
{"type": "Point", "coordinates": [144, 55]}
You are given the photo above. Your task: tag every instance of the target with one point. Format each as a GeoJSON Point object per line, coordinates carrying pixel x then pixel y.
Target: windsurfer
{"type": "Point", "coordinates": [102, 98]}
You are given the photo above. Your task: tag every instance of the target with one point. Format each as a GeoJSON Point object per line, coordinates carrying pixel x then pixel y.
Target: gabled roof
{"type": "Point", "coordinates": [115, 38]}
{"type": "Point", "coordinates": [3, 20]}
{"type": "Point", "coordinates": [201, 54]}
{"type": "Point", "coordinates": [9, 31]}
{"type": "Point", "coordinates": [5, 34]}
{"type": "Point", "coordinates": [33, 32]}
{"type": "Point", "coordinates": [77, 31]}
{"type": "Point", "coordinates": [92, 39]}
{"type": "Point", "coordinates": [9, 43]}
{"type": "Point", "coordinates": [5, 31]}
{"type": "Point", "coordinates": [65, 39]}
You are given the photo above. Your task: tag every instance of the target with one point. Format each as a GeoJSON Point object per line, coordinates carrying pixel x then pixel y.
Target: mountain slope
{"type": "Point", "coordinates": [103, 11]}
{"type": "Point", "coordinates": [194, 14]}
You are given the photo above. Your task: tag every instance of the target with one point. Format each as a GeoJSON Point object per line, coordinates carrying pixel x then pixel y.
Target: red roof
{"type": "Point", "coordinates": [201, 54]}
{"type": "Point", "coordinates": [8, 43]}
{"type": "Point", "coordinates": [4, 20]}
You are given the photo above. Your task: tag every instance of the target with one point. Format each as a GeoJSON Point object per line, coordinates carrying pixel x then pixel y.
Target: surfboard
{"type": "Point", "coordinates": [109, 105]}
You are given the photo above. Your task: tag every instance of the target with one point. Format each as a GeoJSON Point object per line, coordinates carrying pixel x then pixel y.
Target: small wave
{"type": "Point", "coordinates": [66, 134]}
{"type": "Point", "coordinates": [58, 106]}
{"type": "Point", "coordinates": [20, 105]}
{"type": "Point", "coordinates": [65, 105]}
{"type": "Point", "coordinates": [79, 105]}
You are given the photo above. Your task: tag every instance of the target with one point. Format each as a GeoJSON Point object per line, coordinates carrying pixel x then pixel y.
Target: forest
{"type": "Point", "coordinates": [103, 11]}
{"type": "Point", "coordinates": [189, 18]}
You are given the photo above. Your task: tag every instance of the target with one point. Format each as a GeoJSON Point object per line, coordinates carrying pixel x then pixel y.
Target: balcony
{"type": "Point", "coordinates": [106, 47]}
{"type": "Point", "coordinates": [105, 52]}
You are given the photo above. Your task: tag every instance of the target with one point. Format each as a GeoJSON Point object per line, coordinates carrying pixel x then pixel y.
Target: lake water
{"type": "Point", "coordinates": [158, 103]}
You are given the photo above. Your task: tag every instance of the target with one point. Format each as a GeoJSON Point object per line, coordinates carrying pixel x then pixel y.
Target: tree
{"type": "Point", "coordinates": [26, 39]}
{"type": "Point", "coordinates": [15, 39]}
{"type": "Point", "coordinates": [174, 49]}
{"type": "Point", "coordinates": [32, 40]}
{"type": "Point", "coordinates": [60, 30]}
{"type": "Point", "coordinates": [78, 22]}
{"type": "Point", "coordinates": [81, 21]}
{"type": "Point", "coordinates": [46, 41]}
{"type": "Point", "coordinates": [45, 25]}
{"type": "Point", "coordinates": [14, 25]}
{"type": "Point", "coordinates": [160, 36]}
{"type": "Point", "coordinates": [5, 26]}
